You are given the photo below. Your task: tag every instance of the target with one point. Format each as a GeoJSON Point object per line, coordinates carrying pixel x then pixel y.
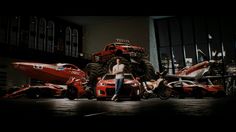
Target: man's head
{"type": "Point", "coordinates": [118, 60]}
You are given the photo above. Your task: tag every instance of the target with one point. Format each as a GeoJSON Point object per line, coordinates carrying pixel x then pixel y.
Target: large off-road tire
{"type": "Point", "coordinates": [94, 70]}
{"type": "Point", "coordinates": [72, 93]}
{"type": "Point", "coordinates": [89, 93]}
{"type": "Point", "coordinates": [145, 70]}
{"type": "Point", "coordinates": [112, 62]}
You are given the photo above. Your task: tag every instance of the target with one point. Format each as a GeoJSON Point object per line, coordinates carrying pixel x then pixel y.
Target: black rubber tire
{"type": "Point", "coordinates": [198, 93]}
{"type": "Point", "coordinates": [180, 92]}
{"type": "Point", "coordinates": [147, 70]}
{"type": "Point", "coordinates": [72, 93]}
{"type": "Point", "coordinates": [178, 87]}
{"type": "Point", "coordinates": [94, 70]}
{"type": "Point", "coordinates": [89, 94]}
{"type": "Point", "coordinates": [33, 93]}
{"type": "Point", "coordinates": [146, 95]}
{"type": "Point", "coordinates": [165, 93]}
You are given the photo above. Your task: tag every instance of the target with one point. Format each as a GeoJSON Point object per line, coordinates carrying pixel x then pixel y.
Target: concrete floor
{"type": "Point", "coordinates": [150, 113]}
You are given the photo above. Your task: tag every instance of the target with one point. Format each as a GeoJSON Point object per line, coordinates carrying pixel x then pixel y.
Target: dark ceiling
{"type": "Point", "coordinates": [87, 20]}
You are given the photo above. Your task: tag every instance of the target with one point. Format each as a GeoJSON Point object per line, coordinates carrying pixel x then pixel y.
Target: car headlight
{"type": "Point", "coordinates": [100, 92]}
{"type": "Point", "coordinates": [102, 84]}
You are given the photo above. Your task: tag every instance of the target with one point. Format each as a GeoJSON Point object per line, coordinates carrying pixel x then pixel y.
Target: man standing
{"type": "Point", "coordinates": [118, 70]}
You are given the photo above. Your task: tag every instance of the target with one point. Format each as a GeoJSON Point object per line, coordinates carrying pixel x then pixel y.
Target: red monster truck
{"type": "Point", "coordinates": [133, 56]}
{"type": "Point", "coordinates": [118, 48]}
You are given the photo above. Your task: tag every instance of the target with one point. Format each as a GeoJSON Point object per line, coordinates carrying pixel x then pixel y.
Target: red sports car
{"type": "Point", "coordinates": [185, 88]}
{"type": "Point", "coordinates": [106, 87]}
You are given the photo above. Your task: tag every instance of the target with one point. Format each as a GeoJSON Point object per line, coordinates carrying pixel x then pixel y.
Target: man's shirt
{"type": "Point", "coordinates": [118, 70]}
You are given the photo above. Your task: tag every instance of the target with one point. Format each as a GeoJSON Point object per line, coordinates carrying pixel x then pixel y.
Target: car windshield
{"type": "Point", "coordinates": [122, 44]}
{"type": "Point", "coordinates": [129, 77]}
{"type": "Point", "coordinates": [70, 66]}
{"type": "Point", "coordinates": [108, 77]}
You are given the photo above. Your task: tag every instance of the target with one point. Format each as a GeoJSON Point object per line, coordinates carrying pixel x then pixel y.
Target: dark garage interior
{"type": "Point", "coordinates": [195, 53]}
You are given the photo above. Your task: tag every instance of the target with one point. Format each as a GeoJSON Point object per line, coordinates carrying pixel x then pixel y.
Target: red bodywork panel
{"type": "Point", "coordinates": [54, 73]}
{"type": "Point", "coordinates": [60, 73]}
{"type": "Point", "coordinates": [192, 69]}
{"type": "Point", "coordinates": [55, 90]}
{"type": "Point", "coordinates": [78, 84]}
{"type": "Point", "coordinates": [189, 86]}
{"type": "Point", "coordinates": [214, 88]}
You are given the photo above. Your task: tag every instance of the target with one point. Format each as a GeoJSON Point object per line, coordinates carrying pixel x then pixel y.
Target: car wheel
{"type": "Point", "coordinates": [72, 93]}
{"type": "Point", "coordinates": [147, 70]}
{"type": "Point", "coordinates": [198, 93]}
{"type": "Point", "coordinates": [220, 94]}
{"type": "Point", "coordinates": [146, 95]}
{"type": "Point", "coordinates": [165, 93]}
{"type": "Point", "coordinates": [178, 88]}
{"type": "Point", "coordinates": [33, 93]}
{"type": "Point", "coordinates": [94, 70]}
{"type": "Point", "coordinates": [89, 94]}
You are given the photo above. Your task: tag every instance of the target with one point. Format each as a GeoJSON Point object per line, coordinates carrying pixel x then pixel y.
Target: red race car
{"type": "Point", "coordinates": [46, 90]}
{"type": "Point", "coordinates": [185, 88]}
{"type": "Point", "coordinates": [106, 87]}
{"type": "Point", "coordinates": [58, 73]}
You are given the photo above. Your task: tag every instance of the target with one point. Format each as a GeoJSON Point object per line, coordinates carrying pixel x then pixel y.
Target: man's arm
{"type": "Point", "coordinates": [113, 70]}
{"type": "Point", "coordinates": [117, 71]}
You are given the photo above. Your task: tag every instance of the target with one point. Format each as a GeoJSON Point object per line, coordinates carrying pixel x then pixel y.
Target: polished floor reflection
{"type": "Point", "coordinates": [64, 111]}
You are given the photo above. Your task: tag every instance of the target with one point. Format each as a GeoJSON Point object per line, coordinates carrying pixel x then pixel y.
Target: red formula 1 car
{"type": "Point", "coordinates": [59, 73]}
{"type": "Point", "coordinates": [185, 88]}
{"type": "Point", "coordinates": [106, 87]}
{"type": "Point", "coordinates": [46, 90]}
